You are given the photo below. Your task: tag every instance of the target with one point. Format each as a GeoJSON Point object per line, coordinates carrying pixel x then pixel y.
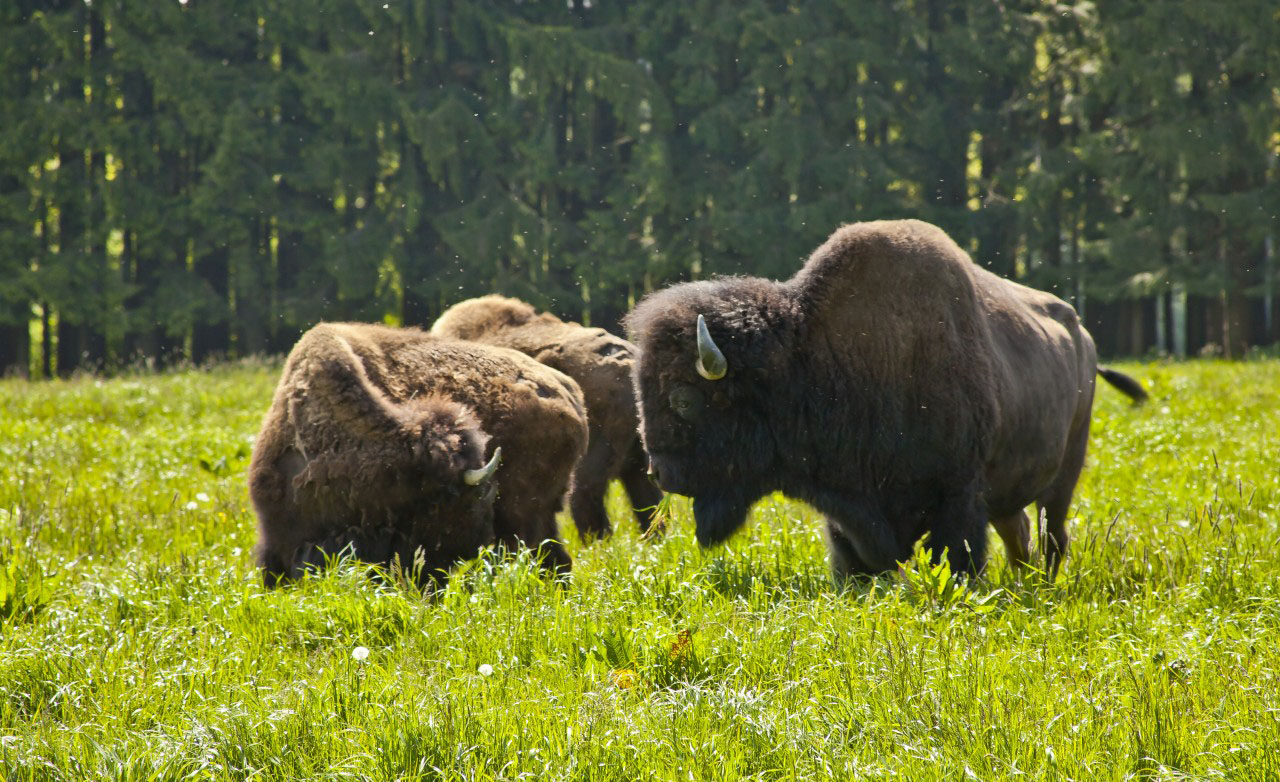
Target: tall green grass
{"type": "Point", "coordinates": [137, 643]}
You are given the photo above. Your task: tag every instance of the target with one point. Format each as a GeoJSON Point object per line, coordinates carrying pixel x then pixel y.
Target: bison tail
{"type": "Point", "coordinates": [1124, 384]}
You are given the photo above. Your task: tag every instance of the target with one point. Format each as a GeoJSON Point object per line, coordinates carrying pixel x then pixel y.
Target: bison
{"type": "Point", "coordinates": [892, 383]}
{"type": "Point", "coordinates": [601, 363]}
{"type": "Point", "coordinates": [386, 442]}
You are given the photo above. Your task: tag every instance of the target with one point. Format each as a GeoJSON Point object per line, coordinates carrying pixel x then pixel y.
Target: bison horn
{"type": "Point", "coordinates": [479, 476]}
{"type": "Point", "coordinates": [711, 362]}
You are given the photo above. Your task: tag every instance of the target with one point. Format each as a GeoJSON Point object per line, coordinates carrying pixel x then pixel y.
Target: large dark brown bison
{"type": "Point", "coordinates": [601, 363]}
{"type": "Point", "coordinates": [892, 383]}
{"type": "Point", "coordinates": [385, 442]}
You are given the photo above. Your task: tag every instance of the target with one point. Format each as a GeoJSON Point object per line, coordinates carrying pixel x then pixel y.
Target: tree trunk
{"type": "Point", "coordinates": [211, 337]}
{"type": "Point", "coordinates": [253, 293]}
{"type": "Point", "coordinates": [1103, 325]}
{"type": "Point", "coordinates": [15, 349]}
{"type": "Point", "coordinates": [46, 342]}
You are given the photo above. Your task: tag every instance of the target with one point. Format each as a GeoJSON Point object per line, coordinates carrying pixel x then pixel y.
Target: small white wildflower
{"type": "Point", "coordinates": [485, 669]}
{"type": "Point", "coordinates": [202, 497]}
{"type": "Point", "coordinates": [191, 505]}
{"type": "Point", "coordinates": [360, 653]}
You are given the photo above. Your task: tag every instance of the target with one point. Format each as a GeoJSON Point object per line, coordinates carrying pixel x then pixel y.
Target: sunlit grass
{"type": "Point", "coordinates": [137, 643]}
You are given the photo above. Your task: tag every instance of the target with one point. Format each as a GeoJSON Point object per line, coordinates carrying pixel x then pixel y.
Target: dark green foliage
{"type": "Point", "coordinates": [186, 180]}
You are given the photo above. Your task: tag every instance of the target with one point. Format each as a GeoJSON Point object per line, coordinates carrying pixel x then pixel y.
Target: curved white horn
{"type": "Point", "coordinates": [479, 476]}
{"type": "Point", "coordinates": [711, 362]}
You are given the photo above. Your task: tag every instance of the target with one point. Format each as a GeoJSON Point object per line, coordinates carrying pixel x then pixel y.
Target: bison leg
{"type": "Point", "coordinates": [644, 494]}
{"type": "Point", "coordinates": [860, 537]}
{"type": "Point", "coordinates": [317, 555]}
{"type": "Point", "coordinates": [961, 530]}
{"type": "Point", "coordinates": [586, 495]}
{"type": "Point", "coordinates": [1015, 531]}
{"type": "Point", "coordinates": [274, 569]}
{"type": "Point", "coordinates": [846, 564]}
{"type": "Point", "coordinates": [1055, 503]}
{"type": "Point", "coordinates": [537, 531]}
{"type": "Point", "coordinates": [554, 557]}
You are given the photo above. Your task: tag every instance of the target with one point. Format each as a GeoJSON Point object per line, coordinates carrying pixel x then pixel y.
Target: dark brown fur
{"type": "Point", "coordinates": [892, 383]}
{"type": "Point", "coordinates": [601, 363]}
{"type": "Point", "coordinates": [370, 432]}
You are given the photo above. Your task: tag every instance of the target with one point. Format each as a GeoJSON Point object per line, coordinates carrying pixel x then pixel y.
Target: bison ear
{"type": "Point", "coordinates": [711, 362]}
{"type": "Point", "coordinates": [479, 476]}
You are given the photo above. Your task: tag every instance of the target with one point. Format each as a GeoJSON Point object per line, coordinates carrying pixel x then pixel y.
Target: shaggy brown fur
{"type": "Point", "coordinates": [601, 363]}
{"type": "Point", "coordinates": [892, 383]}
{"type": "Point", "coordinates": [369, 435]}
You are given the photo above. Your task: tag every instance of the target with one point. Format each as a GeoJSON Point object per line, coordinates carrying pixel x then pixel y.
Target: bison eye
{"type": "Point", "coordinates": [686, 402]}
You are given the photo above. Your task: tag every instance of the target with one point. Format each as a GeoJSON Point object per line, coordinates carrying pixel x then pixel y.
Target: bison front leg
{"type": "Point", "coordinates": [643, 492]}
{"type": "Point", "coordinates": [586, 494]}
{"type": "Point", "coordinates": [535, 529]}
{"type": "Point", "coordinates": [274, 568]}
{"type": "Point", "coordinates": [860, 538]}
{"type": "Point", "coordinates": [960, 529]}
{"type": "Point", "coordinates": [846, 564]}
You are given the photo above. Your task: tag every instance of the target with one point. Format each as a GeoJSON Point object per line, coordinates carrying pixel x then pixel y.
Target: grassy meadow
{"type": "Point", "coordinates": [136, 642]}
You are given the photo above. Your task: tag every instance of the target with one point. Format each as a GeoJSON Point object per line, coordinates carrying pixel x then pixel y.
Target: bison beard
{"type": "Point", "coordinates": [892, 383]}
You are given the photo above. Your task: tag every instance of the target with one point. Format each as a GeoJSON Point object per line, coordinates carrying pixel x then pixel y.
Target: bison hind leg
{"type": "Point", "coordinates": [1054, 507]}
{"type": "Point", "coordinates": [1055, 503]}
{"type": "Point", "coordinates": [1015, 531]}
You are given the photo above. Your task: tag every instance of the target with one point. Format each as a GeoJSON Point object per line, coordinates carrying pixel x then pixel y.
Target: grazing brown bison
{"type": "Point", "coordinates": [601, 363]}
{"type": "Point", "coordinates": [891, 383]}
{"type": "Point", "coordinates": [376, 443]}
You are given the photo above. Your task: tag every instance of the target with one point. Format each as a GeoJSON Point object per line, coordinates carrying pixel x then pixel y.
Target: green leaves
{"type": "Point", "coordinates": [25, 589]}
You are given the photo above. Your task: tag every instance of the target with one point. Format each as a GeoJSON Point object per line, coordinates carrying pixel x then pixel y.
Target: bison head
{"type": "Point", "coordinates": [449, 451]}
{"type": "Point", "coordinates": [712, 356]}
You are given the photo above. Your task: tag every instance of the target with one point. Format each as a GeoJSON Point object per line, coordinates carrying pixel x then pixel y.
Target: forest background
{"type": "Point", "coordinates": [187, 180]}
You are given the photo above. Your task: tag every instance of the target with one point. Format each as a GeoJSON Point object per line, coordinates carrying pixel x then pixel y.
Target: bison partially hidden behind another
{"type": "Point", "coordinates": [892, 383]}
{"type": "Point", "coordinates": [376, 444]}
{"type": "Point", "coordinates": [601, 363]}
